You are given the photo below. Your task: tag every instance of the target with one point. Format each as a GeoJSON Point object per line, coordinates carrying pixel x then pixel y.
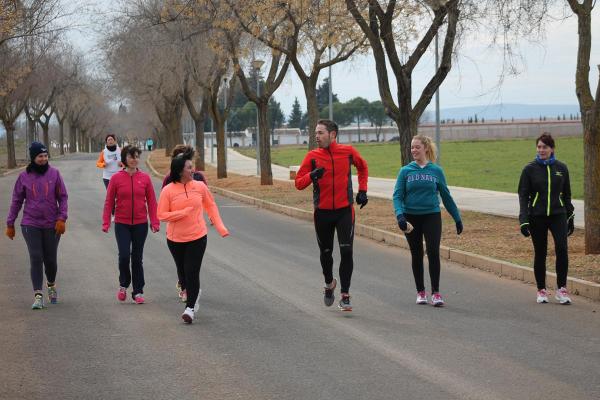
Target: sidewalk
{"type": "Point", "coordinates": [478, 200]}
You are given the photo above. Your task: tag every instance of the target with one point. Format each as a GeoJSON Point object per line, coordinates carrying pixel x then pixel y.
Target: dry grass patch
{"type": "Point", "coordinates": [492, 236]}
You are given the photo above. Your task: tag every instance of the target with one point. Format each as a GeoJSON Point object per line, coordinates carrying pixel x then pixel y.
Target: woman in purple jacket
{"type": "Point", "coordinates": [42, 189]}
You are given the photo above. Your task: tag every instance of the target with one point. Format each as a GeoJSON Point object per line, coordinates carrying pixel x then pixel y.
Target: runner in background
{"type": "Point", "coordinates": [109, 159]}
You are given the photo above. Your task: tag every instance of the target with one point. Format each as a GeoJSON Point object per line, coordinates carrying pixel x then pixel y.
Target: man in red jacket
{"type": "Point", "coordinates": [329, 169]}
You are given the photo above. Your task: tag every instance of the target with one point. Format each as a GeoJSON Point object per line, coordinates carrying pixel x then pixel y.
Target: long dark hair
{"type": "Point", "coordinates": [177, 166]}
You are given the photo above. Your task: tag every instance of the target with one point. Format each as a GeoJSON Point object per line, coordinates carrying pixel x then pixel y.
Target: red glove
{"type": "Point", "coordinates": [60, 227]}
{"type": "Point", "coordinates": [10, 232]}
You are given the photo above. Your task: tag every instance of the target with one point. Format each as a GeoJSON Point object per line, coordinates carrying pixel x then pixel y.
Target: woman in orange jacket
{"type": "Point", "coordinates": [181, 205]}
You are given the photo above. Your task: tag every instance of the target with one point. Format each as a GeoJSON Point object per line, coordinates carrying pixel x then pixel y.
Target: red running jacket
{"type": "Point", "coordinates": [334, 189]}
{"type": "Point", "coordinates": [134, 198]}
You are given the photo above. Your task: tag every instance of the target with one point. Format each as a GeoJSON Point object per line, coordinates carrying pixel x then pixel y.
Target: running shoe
{"type": "Point", "coordinates": [436, 300]}
{"type": "Point", "coordinates": [562, 295]}
{"type": "Point", "coordinates": [139, 298]}
{"type": "Point", "coordinates": [183, 296]}
{"type": "Point", "coordinates": [122, 294]}
{"type": "Point", "coordinates": [328, 293]}
{"type": "Point", "coordinates": [344, 303]}
{"type": "Point", "coordinates": [188, 315]}
{"type": "Point", "coordinates": [422, 297]}
{"type": "Point", "coordinates": [52, 294]}
{"type": "Point", "coordinates": [542, 296]}
{"type": "Point", "coordinates": [38, 303]}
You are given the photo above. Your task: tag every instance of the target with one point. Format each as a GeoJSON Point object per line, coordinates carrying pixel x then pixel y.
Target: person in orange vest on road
{"type": "Point", "coordinates": [329, 169]}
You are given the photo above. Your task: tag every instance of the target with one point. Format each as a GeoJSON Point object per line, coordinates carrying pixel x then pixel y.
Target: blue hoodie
{"type": "Point", "coordinates": [417, 189]}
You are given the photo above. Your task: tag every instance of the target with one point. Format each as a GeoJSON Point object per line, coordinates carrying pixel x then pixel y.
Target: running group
{"type": "Point", "coordinates": [130, 203]}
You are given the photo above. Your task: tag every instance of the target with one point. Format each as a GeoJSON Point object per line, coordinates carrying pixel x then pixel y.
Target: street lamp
{"type": "Point", "coordinates": [257, 64]}
{"type": "Point", "coordinates": [437, 106]}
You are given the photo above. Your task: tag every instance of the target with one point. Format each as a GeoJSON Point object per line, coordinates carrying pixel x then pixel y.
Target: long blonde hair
{"type": "Point", "coordinates": [430, 148]}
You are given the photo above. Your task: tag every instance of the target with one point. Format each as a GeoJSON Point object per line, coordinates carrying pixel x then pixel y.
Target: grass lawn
{"type": "Point", "coordinates": [493, 165]}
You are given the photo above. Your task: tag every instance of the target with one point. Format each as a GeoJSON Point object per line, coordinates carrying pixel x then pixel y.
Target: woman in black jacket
{"type": "Point", "coordinates": [545, 205]}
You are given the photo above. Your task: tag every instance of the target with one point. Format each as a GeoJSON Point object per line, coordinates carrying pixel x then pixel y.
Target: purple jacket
{"type": "Point", "coordinates": [45, 199]}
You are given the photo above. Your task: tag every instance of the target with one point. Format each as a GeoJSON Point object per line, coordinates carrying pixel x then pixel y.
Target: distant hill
{"type": "Point", "coordinates": [508, 111]}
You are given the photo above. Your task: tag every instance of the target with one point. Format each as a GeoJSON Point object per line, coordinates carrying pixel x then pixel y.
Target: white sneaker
{"type": "Point", "coordinates": [188, 315]}
{"type": "Point", "coordinates": [562, 295]}
{"type": "Point", "coordinates": [436, 300]}
{"type": "Point", "coordinates": [422, 297]}
{"type": "Point", "coordinates": [542, 296]}
{"type": "Point", "coordinates": [197, 305]}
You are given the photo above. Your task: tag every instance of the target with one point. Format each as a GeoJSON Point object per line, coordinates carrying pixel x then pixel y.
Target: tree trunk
{"type": "Point", "coordinates": [31, 131]}
{"type": "Point", "coordinates": [407, 129]}
{"type": "Point", "coordinates": [591, 184]}
{"type": "Point", "coordinates": [312, 110]}
{"type": "Point", "coordinates": [72, 138]}
{"type": "Point", "coordinates": [45, 129]}
{"type": "Point", "coordinates": [221, 148]}
{"type": "Point", "coordinates": [266, 174]}
{"type": "Point", "coordinates": [200, 160]}
{"type": "Point", "coordinates": [10, 145]}
{"type": "Point", "coordinates": [61, 136]}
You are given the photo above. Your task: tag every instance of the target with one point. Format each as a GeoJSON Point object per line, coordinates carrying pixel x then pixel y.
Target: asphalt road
{"type": "Point", "coordinates": [262, 331]}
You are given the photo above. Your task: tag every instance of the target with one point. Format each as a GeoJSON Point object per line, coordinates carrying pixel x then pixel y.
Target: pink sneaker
{"type": "Point", "coordinates": [183, 296]}
{"type": "Point", "coordinates": [421, 297]}
{"type": "Point", "coordinates": [139, 298]}
{"type": "Point", "coordinates": [122, 294]}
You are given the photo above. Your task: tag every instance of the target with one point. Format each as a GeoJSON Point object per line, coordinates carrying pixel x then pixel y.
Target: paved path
{"type": "Point", "coordinates": [263, 332]}
{"type": "Point", "coordinates": [484, 201]}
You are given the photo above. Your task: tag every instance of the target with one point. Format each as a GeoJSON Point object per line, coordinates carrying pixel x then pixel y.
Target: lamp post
{"type": "Point", "coordinates": [257, 64]}
{"type": "Point", "coordinates": [437, 106]}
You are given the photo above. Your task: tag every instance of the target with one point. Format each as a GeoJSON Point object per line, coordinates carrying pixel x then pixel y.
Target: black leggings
{"type": "Point", "coordinates": [188, 260]}
{"type": "Point", "coordinates": [539, 227]}
{"type": "Point", "coordinates": [130, 241]}
{"type": "Point", "coordinates": [430, 226]}
{"type": "Point", "coordinates": [42, 245]}
{"type": "Point", "coordinates": [326, 223]}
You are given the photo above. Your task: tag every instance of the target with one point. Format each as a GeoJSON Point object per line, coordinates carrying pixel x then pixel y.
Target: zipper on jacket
{"type": "Point", "coordinates": [332, 179]}
{"type": "Point", "coordinates": [131, 199]}
{"type": "Point", "coordinates": [549, 189]}
{"type": "Point", "coordinates": [535, 199]}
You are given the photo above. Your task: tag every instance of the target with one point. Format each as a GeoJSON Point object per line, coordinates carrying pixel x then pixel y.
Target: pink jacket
{"type": "Point", "coordinates": [134, 198]}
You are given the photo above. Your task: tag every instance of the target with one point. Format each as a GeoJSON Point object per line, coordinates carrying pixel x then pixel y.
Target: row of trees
{"type": "Point", "coordinates": [211, 45]}
{"type": "Point", "coordinates": [42, 78]}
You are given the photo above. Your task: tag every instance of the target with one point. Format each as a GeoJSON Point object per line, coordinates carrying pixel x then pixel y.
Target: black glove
{"type": "Point", "coordinates": [317, 173]}
{"type": "Point", "coordinates": [459, 227]}
{"type": "Point", "coordinates": [525, 229]}
{"type": "Point", "coordinates": [402, 222]}
{"type": "Point", "coordinates": [361, 198]}
{"type": "Point", "coordinates": [571, 225]}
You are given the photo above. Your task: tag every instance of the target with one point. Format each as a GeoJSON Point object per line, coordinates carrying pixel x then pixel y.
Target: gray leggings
{"type": "Point", "coordinates": [43, 247]}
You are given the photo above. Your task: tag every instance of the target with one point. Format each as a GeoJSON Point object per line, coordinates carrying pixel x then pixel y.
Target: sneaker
{"type": "Point", "coordinates": [122, 294]}
{"type": "Point", "coordinates": [328, 293]}
{"type": "Point", "coordinates": [38, 303]}
{"type": "Point", "coordinates": [422, 297]}
{"type": "Point", "coordinates": [188, 315]}
{"type": "Point", "coordinates": [139, 298]}
{"type": "Point", "coordinates": [52, 295]}
{"type": "Point", "coordinates": [436, 300]}
{"type": "Point", "coordinates": [542, 296]}
{"type": "Point", "coordinates": [183, 296]}
{"type": "Point", "coordinates": [562, 295]}
{"type": "Point", "coordinates": [345, 304]}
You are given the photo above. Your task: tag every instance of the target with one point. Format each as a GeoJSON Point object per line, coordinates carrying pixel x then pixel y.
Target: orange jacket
{"type": "Point", "coordinates": [181, 206]}
{"type": "Point", "coordinates": [100, 162]}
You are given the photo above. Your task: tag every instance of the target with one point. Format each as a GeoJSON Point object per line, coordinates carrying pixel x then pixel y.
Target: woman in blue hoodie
{"type": "Point", "coordinates": [417, 209]}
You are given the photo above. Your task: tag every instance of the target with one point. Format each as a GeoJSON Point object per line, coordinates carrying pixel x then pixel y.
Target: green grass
{"type": "Point", "coordinates": [493, 165]}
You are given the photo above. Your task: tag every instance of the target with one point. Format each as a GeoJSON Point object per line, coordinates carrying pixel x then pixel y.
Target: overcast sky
{"type": "Point", "coordinates": [547, 76]}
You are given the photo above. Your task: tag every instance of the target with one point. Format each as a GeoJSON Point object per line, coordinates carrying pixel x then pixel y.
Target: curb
{"type": "Point", "coordinates": [503, 269]}
{"type": "Point", "coordinates": [151, 168]}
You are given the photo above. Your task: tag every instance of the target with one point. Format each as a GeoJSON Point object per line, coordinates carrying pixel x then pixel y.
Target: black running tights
{"type": "Point", "coordinates": [430, 227]}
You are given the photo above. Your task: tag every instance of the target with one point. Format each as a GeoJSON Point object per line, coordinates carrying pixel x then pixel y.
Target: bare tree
{"type": "Point", "coordinates": [590, 117]}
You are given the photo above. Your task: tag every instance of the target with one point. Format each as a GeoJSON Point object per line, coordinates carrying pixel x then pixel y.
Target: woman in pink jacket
{"type": "Point", "coordinates": [131, 194]}
{"type": "Point", "coordinates": [181, 204]}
